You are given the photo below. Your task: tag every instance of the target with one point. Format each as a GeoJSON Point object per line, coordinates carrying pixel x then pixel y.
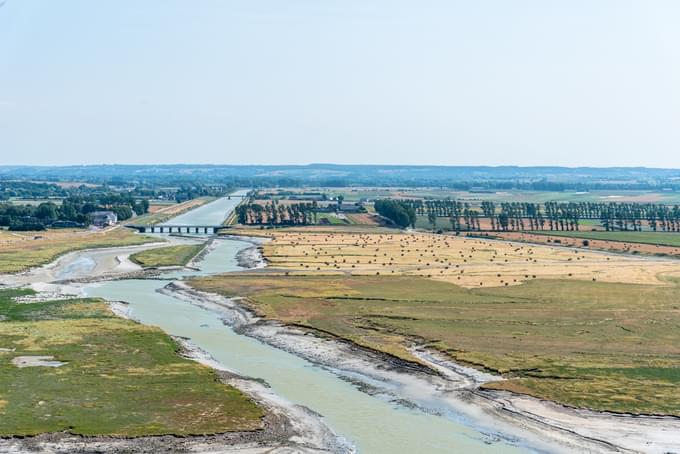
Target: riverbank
{"type": "Point", "coordinates": [450, 389]}
{"type": "Point", "coordinates": [286, 426]}
{"type": "Point", "coordinates": [285, 429]}
{"type": "Point", "coordinates": [250, 257]}
{"type": "Point", "coordinates": [107, 378]}
{"type": "Point", "coordinates": [101, 263]}
{"type": "Point", "coordinates": [22, 251]}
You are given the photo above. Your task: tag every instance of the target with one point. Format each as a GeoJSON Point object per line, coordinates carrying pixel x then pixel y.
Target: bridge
{"type": "Point", "coordinates": [196, 229]}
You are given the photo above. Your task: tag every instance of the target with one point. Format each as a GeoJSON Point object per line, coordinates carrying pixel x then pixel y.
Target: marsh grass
{"type": "Point", "coordinates": [120, 378]}
{"type": "Point", "coordinates": [167, 256]}
{"type": "Point", "coordinates": [606, 346]}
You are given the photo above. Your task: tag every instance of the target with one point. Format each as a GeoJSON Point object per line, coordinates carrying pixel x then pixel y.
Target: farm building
{"type": "Point", "coordinates": [104, 218]}
{"type": "Point", "coordinates": [343, 207]}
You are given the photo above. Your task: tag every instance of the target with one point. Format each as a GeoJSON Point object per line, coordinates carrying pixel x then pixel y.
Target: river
{"type": "Point", "coordinates": [213, 213]}
{"type": "Point", "coordinates": [370, 423]}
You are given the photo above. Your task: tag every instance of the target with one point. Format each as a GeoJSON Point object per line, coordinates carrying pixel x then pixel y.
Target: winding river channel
{"type": "Point", "coordinates": [368, 422]}
{"type": "Point", "coordinates": [339, 398]}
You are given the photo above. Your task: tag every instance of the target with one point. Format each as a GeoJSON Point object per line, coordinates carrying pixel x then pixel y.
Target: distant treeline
{"type": "Point", "coordinates": [550, 215]}
{"type": "Point", "coordinates": [185, 192]}
{"type": "Point", "coordinates": [73, 211]}
{"type": "Point", "coordinates": [330, 175]}
{"type": "Point", "coordinates": [182, 192]}
{"type": "Point", "coordinates": [30, 190]}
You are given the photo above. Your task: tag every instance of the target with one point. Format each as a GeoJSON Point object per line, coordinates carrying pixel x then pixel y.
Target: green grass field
{"type": "Point", "coordinates": [331, 220]}
{"type": "Point", "coordinates": [660, 238]}
{"type": "Point", "coordinates": [119, 377]}
{"type": "Point", "coordinates": [443, 223]}
{"type": "Point", "coordinates": [604, 346]}
{"type": "Point", "coordinates": [167, 256]}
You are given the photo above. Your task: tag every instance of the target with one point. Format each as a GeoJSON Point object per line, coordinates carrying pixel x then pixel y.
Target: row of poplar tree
{"type": "Point", "coordinates": [549, 215]}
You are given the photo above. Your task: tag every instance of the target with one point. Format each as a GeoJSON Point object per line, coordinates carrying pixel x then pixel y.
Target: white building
{"type": "Point", "coordinates": [104, 218]}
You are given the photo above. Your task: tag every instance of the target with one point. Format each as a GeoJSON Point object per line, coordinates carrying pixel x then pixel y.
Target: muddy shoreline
{"type": "Point", "coordinates": [455, 388]}
{"type": "Point", "coordinates": [287, 427]}
{"type": "Point", "coordinates": [250, 257]}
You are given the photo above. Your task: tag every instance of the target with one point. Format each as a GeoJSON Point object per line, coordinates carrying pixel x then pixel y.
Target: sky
{"type": "Point", "coordinates": [484, 82]}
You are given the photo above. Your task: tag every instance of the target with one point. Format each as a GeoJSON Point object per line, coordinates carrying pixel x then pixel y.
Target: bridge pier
{"type": "Point", "coordinates": [179, 229]}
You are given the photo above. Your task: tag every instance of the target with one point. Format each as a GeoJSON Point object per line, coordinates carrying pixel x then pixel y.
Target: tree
{"type": "Point", "coordinates": [401, 215]}
{"type": "Point", "coordinates": [46, 212]}
{"type": "Point", "coordinates": [432, 219]}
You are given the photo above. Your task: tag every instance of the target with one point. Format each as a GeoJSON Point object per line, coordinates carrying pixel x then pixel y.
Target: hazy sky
{"type": "Point", "coordinates": [592, 82]}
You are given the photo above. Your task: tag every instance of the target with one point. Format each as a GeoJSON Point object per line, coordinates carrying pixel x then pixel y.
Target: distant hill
{"type": "Point", "coordinates": [463, 177]}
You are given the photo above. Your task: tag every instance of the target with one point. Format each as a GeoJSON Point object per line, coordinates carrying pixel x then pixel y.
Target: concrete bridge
{"type": "Point", "coordinates": [195, 229]}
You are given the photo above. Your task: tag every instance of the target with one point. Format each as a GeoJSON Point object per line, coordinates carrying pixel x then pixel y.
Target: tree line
{"type": "Point", "coordinates": [552, 216]}
{"type": "Point", "coordinates": [73, 211]}
{"type": "Point", "coordinates": [275, 213]}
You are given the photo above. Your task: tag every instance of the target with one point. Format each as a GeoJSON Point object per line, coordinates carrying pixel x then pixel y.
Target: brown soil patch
{"type": "Point", "coordinates": [603, 245]}
{"type": "Point", "coordinates": [364, 218]}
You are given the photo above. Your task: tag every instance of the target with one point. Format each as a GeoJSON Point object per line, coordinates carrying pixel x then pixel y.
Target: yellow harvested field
{"type": "Point", "coordinates": [468, 262]}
